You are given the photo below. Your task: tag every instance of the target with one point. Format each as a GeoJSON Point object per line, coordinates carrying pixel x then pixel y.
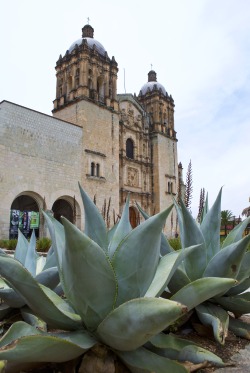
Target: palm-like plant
{"type": "Point", "coordinates": [111, 281]}
{"type": "Point", "coordinates": [226, 218]}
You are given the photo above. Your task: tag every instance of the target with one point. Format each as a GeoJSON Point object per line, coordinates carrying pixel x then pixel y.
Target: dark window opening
{"type": "Point", "coordinates": [130, 148]}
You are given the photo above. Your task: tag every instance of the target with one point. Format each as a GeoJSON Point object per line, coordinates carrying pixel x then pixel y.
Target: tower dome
{"type": "Point", "coordinates": [152, 84]}
{"type": "Point", "coordinates": [88, 35]}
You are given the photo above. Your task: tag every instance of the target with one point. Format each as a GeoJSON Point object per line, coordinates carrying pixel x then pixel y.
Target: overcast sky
{"type": "Point", "coordinates": [200, 50]}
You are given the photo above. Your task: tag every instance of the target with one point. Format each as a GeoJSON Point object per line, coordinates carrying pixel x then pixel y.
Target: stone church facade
{"type": "Point", "coordinates": [112, 144]}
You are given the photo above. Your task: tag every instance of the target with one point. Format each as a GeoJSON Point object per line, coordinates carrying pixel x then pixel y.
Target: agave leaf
{"type": "Point", "coordinates": [12, 298]}
{"type": "Point", "coordinates": [136, 259]}
{"type": "Point", "coordinates": [4, 310]}
{"type": "Point", "coordinates": [210, 228]}
{"type": "Point", "coordinates": [236, 234]}
{"type": "Point", "coordinates": [23, 282]}
{"type": "Point", "coordinates": [49, 277]}
{"type": "Point", "coordinates": [178, 280]}
{"type": "Point", "coordinates": [165, 270]}
{"type": "Point", "coordinates": [227, 262]}
{"type": "Point", "coordinates": [170, 346]}
{"type": "Point", "coordinates": [165, 246]}
{"type": "Point", "coordinates": [151, 362]}
{"type": "Point", "coordinates": [90, 283]}
{"type": "Point", "coordinates": [244, 271]}
{"type": "Point", "coordinates": [30, 318]}
{"type": "Point", "coordinates": [191, 235]}
{"type": "Point", "coordinates": [238, 304]}
{"type": "Point", "coordinates": [122, 230]}
{"type": "Point", "coordinates": [44, 346]}
{"type": "Point", "coordinates": [205, 209]}
{"type": "Point", "coordinates": [95, 227]}
{"type": "Point", "coordinates": [238, 289]}
{"type": "Point", "coordinates": [31, 255]}
{"type": "Point", "coordinates": [21, 247]}
{"type": "Point", "coordinates": [50, 261]}
{"type": "Point", "coordinates": [239, 328]}
{"type": "Point", "coordinates": [57, 235]}
{"type": "Point", "coordinates": [216, 317]}
{"type": "Point", "coordinates": [133, 323]}
{"type": "Point", "coordinates": [201, 290]}
{"type": "Point", "coordinates": [111, 232]}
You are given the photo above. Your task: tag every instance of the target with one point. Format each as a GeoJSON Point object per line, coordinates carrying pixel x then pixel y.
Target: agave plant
{"type": "Point", "coordinates": [111, 282]}
{"type": "Point", "coordinates": [44, 270]}
{"type": "Point", "coordinates": [210, 259]}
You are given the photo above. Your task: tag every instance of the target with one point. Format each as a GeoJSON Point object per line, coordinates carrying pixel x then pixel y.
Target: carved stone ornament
{"type": "Point", "coordinates": [132, 177]}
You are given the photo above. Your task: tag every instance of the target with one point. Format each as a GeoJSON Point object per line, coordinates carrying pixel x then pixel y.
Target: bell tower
{"type": "Point", "coordinates": [86, 72]}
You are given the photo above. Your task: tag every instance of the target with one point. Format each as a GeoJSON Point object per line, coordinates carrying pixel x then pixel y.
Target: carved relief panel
{"type": "Point", "coordinates": [132, 177]}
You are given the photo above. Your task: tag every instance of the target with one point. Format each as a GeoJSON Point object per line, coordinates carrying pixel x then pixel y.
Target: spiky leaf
{"type": "Point", "coordinates": [236, 234]}
{"type": "Point", "coordinates": [31, 255]}
{"type": "Point", "coordinates": [22, 339]}
{"type": "Point", "coordinates": [238, 289]}
{"type": "Point", "coordinates": [135, 322]}
{"type": "Point", "coordinates": [201, 290]}
{"type": "Point", "coordinates": [21, 247]}
{"type": "Point", "coordinates": [122, 230]}
{"type": "Point", "coordinates": [90, 283]}
{"type": "Point", "coordinates": [136, 259]}
{"type": "Point", "coordinates": [227, 262]}
{"type": "Point", "coordinates": [238, 304]}
{"type": "Point", "coordinates": [216, 317]}
{"type": "Point", "coordinates": [239, 328]}
{"type": "Point", "coordinates": [178, 280]}
{"type": "Point", "coordinates": [94, 227]}
{"type": "Point", "coordinates": [151, 362]}
{"type": "Point", "coordinates": [35, 296]}
{"type": "Point", "coordinates": [49, 277]}
{"type": "Point", "coordinates": [210, 228]}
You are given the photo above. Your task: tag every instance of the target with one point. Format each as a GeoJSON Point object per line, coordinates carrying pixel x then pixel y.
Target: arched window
{"type": "Point", "coordinates": [92, 172]}
{"type": "Point", "coordinates": [130, 148]}
{"type": "Point", "coordinates": [97, 170]}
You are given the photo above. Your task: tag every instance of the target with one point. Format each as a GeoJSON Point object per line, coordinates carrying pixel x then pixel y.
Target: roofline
{"type": "Point", "coordinates": [130, 97]}
{"type": "Point", "coordinates": [39, 112]}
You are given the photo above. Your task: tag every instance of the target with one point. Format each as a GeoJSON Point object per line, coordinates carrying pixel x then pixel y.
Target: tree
{"type": "Point", "coordinates": [189, 186]}
{"type": "Point", "coordinates": [226, 217]}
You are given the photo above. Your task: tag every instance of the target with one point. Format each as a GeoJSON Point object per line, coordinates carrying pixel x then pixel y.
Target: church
{"type": "Point", "coordinates": [112, 144]}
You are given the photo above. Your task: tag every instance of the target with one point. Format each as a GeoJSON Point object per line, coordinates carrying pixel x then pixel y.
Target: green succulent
{"type": "Point", "coordinates": [209, 259]}
{"type": "Point", "coordinates": [43, 269]}
{"type": "Point", "coordinates": [111, 282]}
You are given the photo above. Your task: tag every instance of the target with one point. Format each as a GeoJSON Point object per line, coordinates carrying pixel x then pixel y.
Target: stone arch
{"type": "Point", "coordinates": [68, 207]}
{"type": "Point", "coordinates": [26, 214]}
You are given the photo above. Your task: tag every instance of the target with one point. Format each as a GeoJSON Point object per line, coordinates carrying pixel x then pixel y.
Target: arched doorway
{"type": "Point", "coordinates": [61, 207]}
{"type": "Point", "coordinates": [24, 215]}
{"type": "Point", "coordinates": [133, 217]}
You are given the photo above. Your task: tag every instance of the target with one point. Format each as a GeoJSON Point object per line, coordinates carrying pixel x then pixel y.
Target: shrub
{"type": "Point", "coordinates": [43, 244]}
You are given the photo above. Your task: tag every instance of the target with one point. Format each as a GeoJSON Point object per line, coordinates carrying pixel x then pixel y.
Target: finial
{"type": "Point", "coordinates": [151, 66]}
{"type": "Point", "coordinates": [88, 20]}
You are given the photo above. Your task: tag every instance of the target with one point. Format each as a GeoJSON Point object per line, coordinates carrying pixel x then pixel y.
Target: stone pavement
{"type": "Point", "coordinates": [242, 362]}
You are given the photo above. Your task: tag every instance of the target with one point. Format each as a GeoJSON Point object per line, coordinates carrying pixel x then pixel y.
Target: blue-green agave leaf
{"type": "Point", "coordinates": [111, 232]}
{"type": "Point", "coordinates": [122, 230]}
{"type": "Point", "coordinates": [239, 328]}
{"type": "Point", "coordinates": [21, 247]}
{"type": "Point", "coordinates": [95, 227]}
{"type": "Point", "coordinates": [238, 289]}
{"type": "Point", "coordinates": [201, 290]}
{"type": "Point", "coordinates": [50, 261]}
{"type": "Point", "coordinates": [30, 318]}
{"type": "Point", "coordinates": [227, 262]}
{"type": "Point", "coordinates": [205, 209]}
{"type": "Point", "coordinates": [165, 246]}
{"type": "Point", "coordinates": [236, 234]}
{"type": "Point", "coordinates": [57, 235]}
{"type": "Point", "coordinates": [238, 304]}
{"type": "Point", "coordinates": [90, 283]}
{"type": "Point", "coordinates": [150, 361]}
{"type": "Point", "coordinates": [42, 347]}
{"type": "Point", "coordinates": [191, 235]}
{"type": "Point", "coordinates": [244, 271]}
{"type": "Point", "coordinates": [178, 280]}
{"type": "Point", "coordinates": [136, 259]}
{"type": "Point", "coordinates": [12, 298]}
{"type": "Point", "coordinates": [133, 323]}
{"type": "Point", "coordinates": [35, 297]}
{"type": "Point", "coordinates": [216, 317]}
{"type": "Point", "coordinates": [210, 228]}
{"type": "Point", "coordinates": [173, 347]}
{"type": "Point", "coordinates": [31, 255]}
{"type": "Point", "coordinates": [49, 277]}
{"type": "Point", "coordinates": [4, 310]}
